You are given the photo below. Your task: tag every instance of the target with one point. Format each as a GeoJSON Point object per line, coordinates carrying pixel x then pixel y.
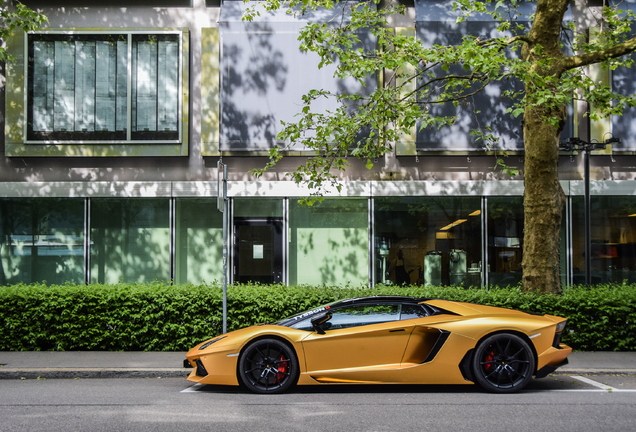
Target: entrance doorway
{"type": "Point", "coordinates": [258, 250]}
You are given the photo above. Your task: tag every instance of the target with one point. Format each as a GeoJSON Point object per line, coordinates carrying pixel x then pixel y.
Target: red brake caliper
{"type": "Point", "coordinates": [489, 358]}
{"type": "Point", "coordinates": [282, 368]}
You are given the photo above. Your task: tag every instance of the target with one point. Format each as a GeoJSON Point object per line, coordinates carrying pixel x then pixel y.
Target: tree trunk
{"type": "Point", "coordinates": [543, 203]}
{"type": "Point", "coordinates": [544, 200]}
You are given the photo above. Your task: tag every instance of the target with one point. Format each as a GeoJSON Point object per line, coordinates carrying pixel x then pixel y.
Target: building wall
{"type": "Point", "coordinates": [193, 173]}
{"type": "Point", "coordinates": [198, 17]}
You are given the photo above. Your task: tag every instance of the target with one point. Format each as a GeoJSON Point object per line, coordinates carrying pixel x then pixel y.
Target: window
{"type": "Point", "coordinates": [356, 316]}
{"type": "Point", "coordinates": [329, 242]}
{"type": "Point", "coordinates": [613, 229]}
{"type": "Point", "coordinates": [411, 311]}
{"type": "Point", "coordinates": [505, 240]}
{"type": "Point", "coordinates": [199, 241]}
{"type": "Point", "coordinates": [130, 240]}
{"type": "Point", "coordinates": [121, 87]}
{"type": "Point", "coordinates": [41, 240]}
{"type": "Point", "coordinates": [428, 241]}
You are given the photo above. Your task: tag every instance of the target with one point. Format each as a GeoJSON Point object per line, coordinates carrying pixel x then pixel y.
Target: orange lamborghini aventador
{"type": "Point", "coordinates": [386, 339]}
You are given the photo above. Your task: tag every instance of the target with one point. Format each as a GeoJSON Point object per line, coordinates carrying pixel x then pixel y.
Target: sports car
{"type": "Point", "coordinates": [386, 340]}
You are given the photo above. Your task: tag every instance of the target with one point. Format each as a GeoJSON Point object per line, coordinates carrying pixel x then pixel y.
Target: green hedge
{"type": "Point", "coordinates": [163, 317]}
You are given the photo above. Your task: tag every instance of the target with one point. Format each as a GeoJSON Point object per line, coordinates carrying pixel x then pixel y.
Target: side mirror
{"type": "Point", "coordinates": [320, 319]}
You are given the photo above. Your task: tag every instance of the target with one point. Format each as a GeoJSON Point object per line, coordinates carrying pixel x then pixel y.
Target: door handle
{"type": "Point", "coordinates": [396, 330]}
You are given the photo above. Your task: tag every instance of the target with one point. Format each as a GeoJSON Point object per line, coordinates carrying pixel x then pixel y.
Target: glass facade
{"type": "Point", "coordinates": [130, 240]}
{"type": "Point", "coordinates": [329, 242]}
{"type": "Point", "coordinates": [505, 240]}
{"type": "Point", "coordinates": [428, 240]}
{"type": "Point", "coordinates": [437, 240]}
{"type": "Point", "coordinates": [199, 241]}
{"type": "Point", "coordinates": [41, 240]}
{"type": "Point", "coordinates": [613, 229]}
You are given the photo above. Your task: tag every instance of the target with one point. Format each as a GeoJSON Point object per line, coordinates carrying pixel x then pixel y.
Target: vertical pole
{"type": "Point", "coordinates": [588, 227]}
{"type": "Point", "coordinates": [225, 248]}
{"type": "Point", "coordinates": [221, 204]}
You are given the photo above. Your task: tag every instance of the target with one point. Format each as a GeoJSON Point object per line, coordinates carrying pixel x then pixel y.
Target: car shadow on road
{"type": "Point", "coordinates": [355, 388]}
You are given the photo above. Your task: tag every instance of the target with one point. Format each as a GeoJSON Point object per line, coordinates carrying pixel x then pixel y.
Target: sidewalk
{"type": "Point", "coordinates": [92, 364]}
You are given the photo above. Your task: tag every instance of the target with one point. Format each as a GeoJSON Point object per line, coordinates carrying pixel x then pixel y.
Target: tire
{"type": "Point", "coordinates": [503, 363]}
{"type": "Point", "coordinates": [268, 366]}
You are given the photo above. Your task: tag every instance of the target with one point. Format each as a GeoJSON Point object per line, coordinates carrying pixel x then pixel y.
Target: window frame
{"type": "Point", "coordinates": [130, 35]}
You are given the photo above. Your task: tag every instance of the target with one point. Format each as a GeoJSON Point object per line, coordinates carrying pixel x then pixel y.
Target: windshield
{"type": "Point", "coordinates": [287, 322]}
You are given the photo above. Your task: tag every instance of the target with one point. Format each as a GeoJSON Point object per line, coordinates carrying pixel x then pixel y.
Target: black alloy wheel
{"type": "Point", "coordinates": [503, 363]}
{"type": "Point", "coordinates": [268, 366]}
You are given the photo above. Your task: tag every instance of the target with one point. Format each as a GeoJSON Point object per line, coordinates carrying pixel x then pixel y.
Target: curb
{"type": "Point", "coordinates": [594, 371]}
{"type": "Point", "coordinates": [93, 373]}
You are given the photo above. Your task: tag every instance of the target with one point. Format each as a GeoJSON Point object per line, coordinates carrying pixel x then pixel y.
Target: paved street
{"type": "Point", "coordinates": [560, 402]}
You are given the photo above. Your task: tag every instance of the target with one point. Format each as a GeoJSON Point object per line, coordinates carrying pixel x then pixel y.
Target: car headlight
{"type": "Point", "coordinates": [210, 342]}
{"type": "Point", "coordinates": [561, 326]}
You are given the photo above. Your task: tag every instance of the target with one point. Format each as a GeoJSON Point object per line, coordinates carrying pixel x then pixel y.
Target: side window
{"type": "Point", "coordinates": [358, 315]}
{"type": "Point", "coordinates": [361, 315]}
{"type": "Point", "coordinates": [121, 87]}
{"type": "Point", "coordinates": [410, 311]}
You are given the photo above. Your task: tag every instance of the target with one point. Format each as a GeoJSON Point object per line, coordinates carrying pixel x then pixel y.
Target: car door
{"type": "Point", "coordinates": [358, 337]}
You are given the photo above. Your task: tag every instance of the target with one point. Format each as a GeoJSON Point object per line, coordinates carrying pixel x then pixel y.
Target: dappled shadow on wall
{"type": "Point", "coordinates": [264, 76]}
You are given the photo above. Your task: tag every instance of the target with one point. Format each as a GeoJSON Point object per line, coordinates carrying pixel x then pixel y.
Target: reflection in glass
{"type": "Point", "coordinates": [41, 240]}
{"type": "Point", "coordinates": [155, 86]}
{"type": "Point", "coordinates": [428, 241]}
{"type": "Point", "coordinates": [199, 241]}
{"type": "Point", "coordinates": [613, 239]}
{"type": "Point", "coordinates": [505, 240]}
{"type": "Point", "coordinates": [77, 86]}
{"type": "Point", "coordinates": [329, 242]}
{"type": "Point", "coordinates": [130, 240]}
{"type": "Point", "coordinates": [258, 207]}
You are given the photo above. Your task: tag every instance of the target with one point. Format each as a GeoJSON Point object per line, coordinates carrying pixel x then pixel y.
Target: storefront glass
{"type": "Point", "coordinates": [505, 240]}
{"type": "Point", "coordinates": [199, 241]}
{"type": "Point", "coordinates": [428, 241]}
{"type": "Point", "coordinates": [41, 239]}
{"type": "Point", "coordinates": [130, 240]}
{"type": "Point", "coordinates": [329, 242]}
{"type": "Point", "coordinates": [613, 229]}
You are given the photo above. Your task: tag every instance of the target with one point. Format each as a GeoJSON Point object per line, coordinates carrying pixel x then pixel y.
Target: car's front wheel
{"type": "Point", "coordinates": [268, 366]}
{"type": "Point", "coordinates": [503, 363]}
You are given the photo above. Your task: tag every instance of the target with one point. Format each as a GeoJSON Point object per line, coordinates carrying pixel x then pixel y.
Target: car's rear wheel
{"type": "Point", "coordinates": [268, 366]}
{"type": "Point", "coordinates": [503, 363]}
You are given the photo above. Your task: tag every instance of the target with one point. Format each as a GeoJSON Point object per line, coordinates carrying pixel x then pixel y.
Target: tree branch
{"type": "Point", "coordinates": [620, 50]}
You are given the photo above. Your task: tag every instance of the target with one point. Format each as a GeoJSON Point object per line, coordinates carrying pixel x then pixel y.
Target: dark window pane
{"type": "Point", "coordinates": [412, 312]}
{"type": "Point", "coordinates": [613, 229]}
{"type": "Point", "coordinates": [428, 240]}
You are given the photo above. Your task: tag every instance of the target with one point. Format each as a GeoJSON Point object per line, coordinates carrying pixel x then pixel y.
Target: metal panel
{"type": "Point", "coordinates": [623, 81]}
{"type": "Point", "coordinates": [604, 187]}
{"type": "Point", "coordinates": [264, 75]}
{"type": "Point", "coordinates": [436, 24]}
{"type": "Point", "coordinates": [447, 188]}
{"type": "Point", "coordinates": [487, 108]}
{"type": "Point", "coordinates": [194, 189]}
{"type": "Point", "coordinates": [291, 189]}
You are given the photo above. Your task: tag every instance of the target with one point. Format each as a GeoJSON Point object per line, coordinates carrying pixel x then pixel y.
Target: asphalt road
{"type": "Point", "coordinates": [563, 403]}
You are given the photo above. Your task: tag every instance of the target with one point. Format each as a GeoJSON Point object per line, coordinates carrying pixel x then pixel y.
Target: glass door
{"type": "Point", "coordinates": [258, 249]}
